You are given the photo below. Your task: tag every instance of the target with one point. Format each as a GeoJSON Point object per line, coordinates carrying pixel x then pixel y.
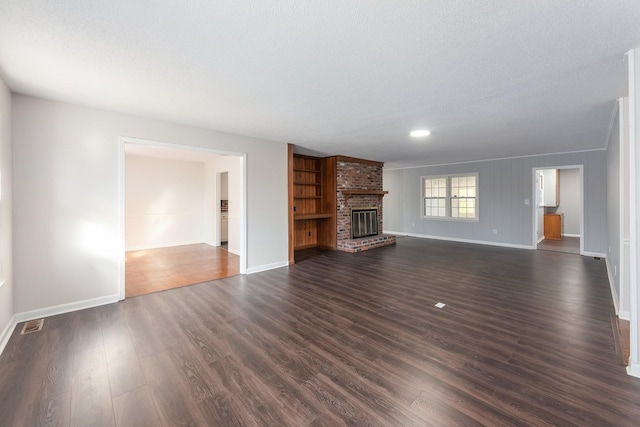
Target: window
{"type": "Point", "coordinates": [435, 197]}
{"type": "Point", "coordinates": [450, 197]}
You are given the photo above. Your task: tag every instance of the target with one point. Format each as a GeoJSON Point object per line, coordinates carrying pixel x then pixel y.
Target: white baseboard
{"type": "Point", "coordinates": [266, 267]}
{"type": "Point", "coordinates": [624, 315]}
{"type": "Point", "coordinates": [540, 239]}
{"type": "Point", "coordinates": [454, 239]}
{"type": "Point", "coordinates": [7, 332]}
{"type": "Point", "coordinates": [167, 245]}
{"type": "Point", "coordinates": [570, 235]}
{"type": "Point", "coordinates": [594, 254]}
{"type": "Point", "coordinates": [66, 308]}
{"type": "Point", "coordinates": [397, 233]}
{"type": "Point", "coordinates": [634, 370]}
{"type": "Point", "coordinates": [612, 286]}
{"type": "Point", "coordinates": [52, 311]}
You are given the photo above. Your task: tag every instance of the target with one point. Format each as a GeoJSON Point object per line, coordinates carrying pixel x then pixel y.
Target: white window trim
{"type": "Point", "coordinates": [448, 198]}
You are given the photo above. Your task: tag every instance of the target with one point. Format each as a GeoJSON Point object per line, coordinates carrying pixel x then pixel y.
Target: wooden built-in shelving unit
{"type": "Point", "coordinates": [312, 201]}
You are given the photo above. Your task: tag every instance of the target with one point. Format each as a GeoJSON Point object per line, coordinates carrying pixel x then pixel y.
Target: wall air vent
{"type": "Point", "coordinates": [32, 326]}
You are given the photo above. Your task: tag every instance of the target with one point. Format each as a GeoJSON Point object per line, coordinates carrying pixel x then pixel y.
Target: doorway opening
{"type": "Point", "coordinates": [171, 210]}
{"type": "Point", "coordinates": [558, 209]}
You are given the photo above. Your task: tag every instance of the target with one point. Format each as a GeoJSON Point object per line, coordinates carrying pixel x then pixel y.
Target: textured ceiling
{"type": "Point", "coordinates": [489, 78]}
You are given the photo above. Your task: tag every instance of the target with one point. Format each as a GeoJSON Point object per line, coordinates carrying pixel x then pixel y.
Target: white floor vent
{"type": "Point", "coordinates": [32, 326]}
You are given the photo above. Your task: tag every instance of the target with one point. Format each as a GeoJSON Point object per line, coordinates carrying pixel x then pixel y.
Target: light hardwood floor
{"type": "Point", "coordinates": [338, 339]}
{"type": "Point", "coordinates": [155, 270]}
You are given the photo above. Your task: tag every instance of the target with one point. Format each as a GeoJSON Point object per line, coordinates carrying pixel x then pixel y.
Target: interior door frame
{"type": "Point", "coordinates": [122, 141]}
{"type": "Point", "coordinates": [534, 204]}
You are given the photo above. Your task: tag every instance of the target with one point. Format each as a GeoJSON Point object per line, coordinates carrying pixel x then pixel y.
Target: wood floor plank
{"type": "Point", "coordinates": [91, 403]}
{"type": "Point", "coordinates": [223, 410]}
{"type": "Point", "coordinates": [339, 339]}
{"type": "Point", "coordinates": [246, 387]}
{"type": "Point", "coordinates": [125, 373]}
{"type": "Point", "coordinates": [170, 395]}
{"type": "Point", "coordinates": [135, 408]}
{"type": "Point", "coordinates": [54, 411]}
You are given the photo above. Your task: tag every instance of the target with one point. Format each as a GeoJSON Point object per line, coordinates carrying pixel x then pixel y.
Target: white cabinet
{"type": "Point", "coordinates": [550, 188]}
{"type": "Point", "coordinates": [224, 228]}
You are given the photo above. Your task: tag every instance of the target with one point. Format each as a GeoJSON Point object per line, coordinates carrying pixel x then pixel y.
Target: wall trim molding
{"type": "Point", "coordinates": [266, 267]}
{"type": "Point", "coordinates": [612, 286]}
{"type": "Point", "coordinates": [497, 158]}
{"type": "Point", "coordinates": [455, 239]}
{"type": "Point", "coordinates": [594, 254]}
{"type": "Point", "coordinates": [612, 120]}
{"type": "Point", "coordinates": [7, 332]}
{"type": "Point", "coordinates": [571, 235]}
{"type": "Point", "coordinates": [66, 308]}
{"type": "Point", "coordinates": [634, 370]}
{"type": "Point", "coordinates": [624, 315]}
{"type": "Point", "coordinates": [52, 311]}
{"type": "Point", "coordinates": [170, 245]}
{"type": "Point", "coordinates": [482, 242]}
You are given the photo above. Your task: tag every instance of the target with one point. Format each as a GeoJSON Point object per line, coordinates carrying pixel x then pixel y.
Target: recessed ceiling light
{"type": "Point", "coordinates": [419, 133]}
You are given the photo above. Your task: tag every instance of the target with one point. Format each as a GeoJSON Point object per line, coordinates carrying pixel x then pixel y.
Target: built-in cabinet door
{"type": "Point", "coordinates": [553, 226]}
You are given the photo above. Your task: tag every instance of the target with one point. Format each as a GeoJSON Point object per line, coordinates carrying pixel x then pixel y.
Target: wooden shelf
{"type": "Point", "coordinates": [360, 192]}
{"type": "Point", "coordinates": [312, 190]}
{"type": "Point", "coordinates": [299, 217]}
{"type": "Point", "coordinates": [306, 170]}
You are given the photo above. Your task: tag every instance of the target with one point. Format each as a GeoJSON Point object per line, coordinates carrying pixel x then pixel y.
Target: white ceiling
{"type": "Point", "coordinates": [490, 78]}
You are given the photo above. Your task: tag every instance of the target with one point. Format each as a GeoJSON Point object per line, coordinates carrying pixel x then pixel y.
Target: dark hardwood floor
{"type": "Point", "coordinates": [337, 339]}
{"type": "Point", "coordinates": [570, 245]}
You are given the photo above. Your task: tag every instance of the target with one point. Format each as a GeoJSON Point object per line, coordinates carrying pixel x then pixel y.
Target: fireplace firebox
{"type": "Point", "coordinates": [364, 222]}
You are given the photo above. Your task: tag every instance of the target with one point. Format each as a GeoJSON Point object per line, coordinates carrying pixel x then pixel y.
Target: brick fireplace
{"type": "Point", "coordinates": [359, 188]}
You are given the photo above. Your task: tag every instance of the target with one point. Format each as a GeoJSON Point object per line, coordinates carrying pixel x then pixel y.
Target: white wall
{"type": "Point", "coordinates": [570, 200]}
{"type": "Point", "coordinates": [504, 185]}
{"type": "Point", "coordinates": [164, 202]}
{"type": "Point", "coordinates": [6, 276]}
{"type": "Point", "coordinates": [67, 247]}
